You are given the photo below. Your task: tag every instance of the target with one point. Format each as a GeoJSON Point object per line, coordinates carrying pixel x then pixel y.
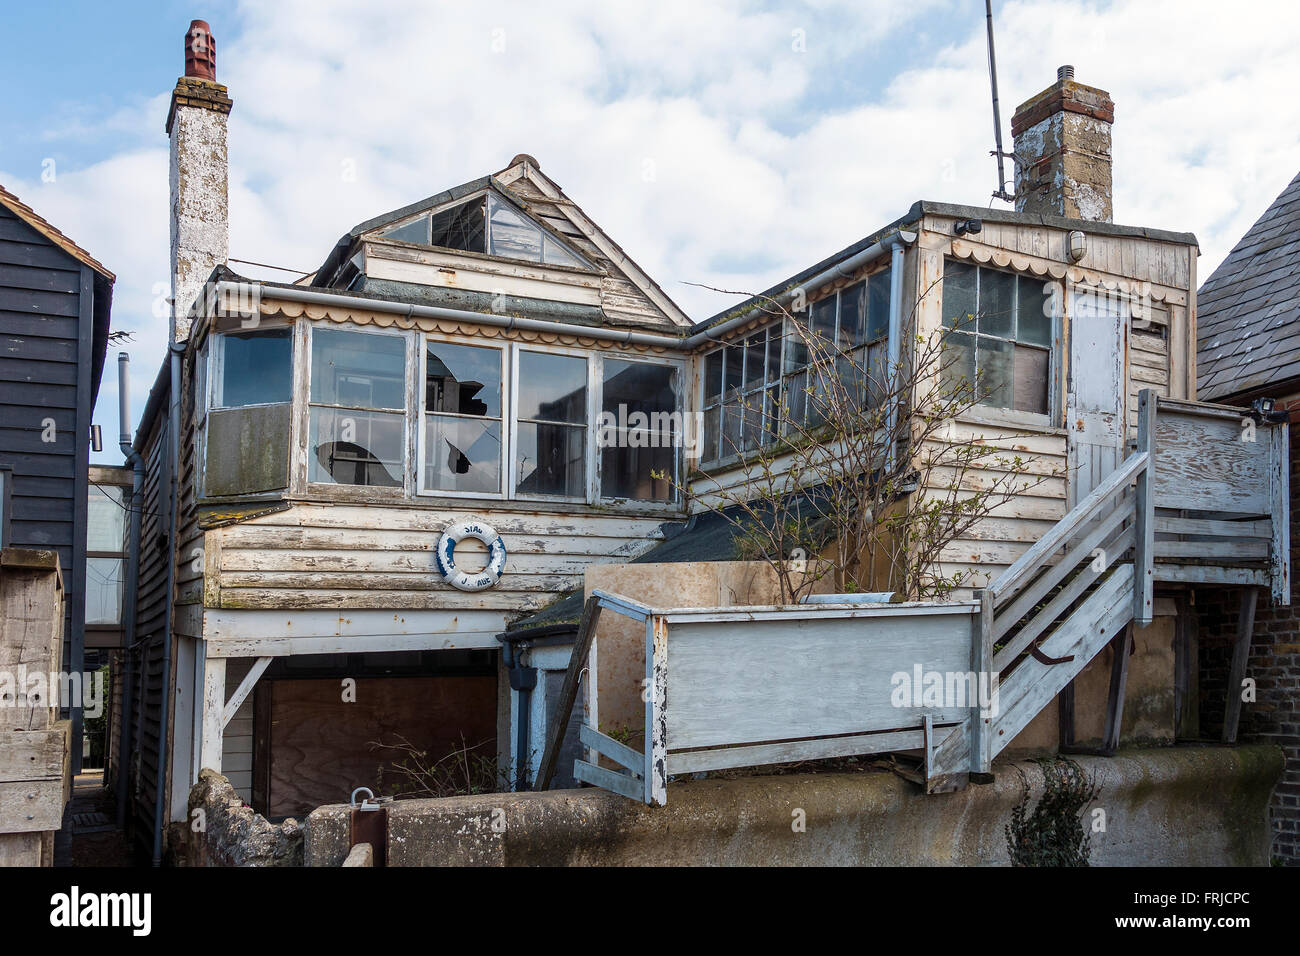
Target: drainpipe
{"type": "Point", "coordinates": [135, 462]}
{"type": "Point", "coordinates": [176, 350]}
{"type": "Point", "coordinates": [896, 244]}
{"type": "Point", "coordinates": [522, 681]}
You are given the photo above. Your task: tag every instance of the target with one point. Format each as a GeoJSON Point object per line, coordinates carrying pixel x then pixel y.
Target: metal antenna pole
{"type": "Point", "coordinates": [1000, 192]}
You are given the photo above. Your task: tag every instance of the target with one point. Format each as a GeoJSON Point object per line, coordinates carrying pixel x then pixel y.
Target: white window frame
{"type": "Point", "coordinates": [216, 346]}
{"type": "Point", "coordinates": [679, 405]}
{"type": "Point", "coordinates": [409, 338]}
{"type": "Point", "coordinates": [507, 444]}
{"type": "Point", "coordinates": [593, 409]}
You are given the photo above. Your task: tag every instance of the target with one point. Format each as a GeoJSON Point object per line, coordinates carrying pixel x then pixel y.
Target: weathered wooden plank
{"type": "Point", "coordinates": [1206, 462]}
{"type": "Point", "coordinates": [213, 711]}
{"type": "Point", "coordinates": [1280, 502]}
{"type": "Point", "coordinates": [30, 805]}
{"type": "Point", "coordinates": [1210, 574]}
{"type": "Point", "coordinates": [655, 774]}
{"type": "Point", "coordinates": [1120, 649]}
{"type": "Point", "coordinates": [32, 754]}
{"type": "Point", "coordinates": [621, 754]}
{"type": "Point", "coordinates": [1144, 525]}
{"type": "Point", "coordinates": [1237, 669]}
{"type": "Point", "coordinates": [982, 665]}
{"type": "Point", "coordinates": [568, 691]}
{"type": "Point", "coordinates": [1015, 575]}
{"type": "Point", "coordinates": [1218, 550]}
{"type": "Point", "coordinates": [838, 683]}
{"type": "Point", "coordinates": [1204, 526]}
{"type": "Point", "coordinates": [758, 755]}
{"type": "Point", "coordinates": [631, 787]}
{"type": "Point", "coordinates": [242, 691]}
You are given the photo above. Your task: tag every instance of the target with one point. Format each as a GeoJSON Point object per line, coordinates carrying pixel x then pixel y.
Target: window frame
{"type": "Point", "coordinates": [404, 488]}
{"type": "Point", "coordinates": [215, 345]}
{"type": "Point", "coordinates": [1055, 406]}
{"type": "Point", "coordinates": [591, 483]}
{"type": "Point", "coordinates": [676, 502]}
{"type": "Point", "coordinates": [786, 373]}
{"type": "Point", "coordinates": [507, 392]}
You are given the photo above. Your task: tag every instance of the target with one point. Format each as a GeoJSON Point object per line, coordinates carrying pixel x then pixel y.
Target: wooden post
{"type": "Point", "coordinates": [1240, 656]}
{"type": "Point", "coordinates": [981, 725]}
{"type": "Point", "coordinates": [1144, 525]}
{"type": "Point", "coordinates": [214, 709]}
{"type": "Point", "coordinates": [656, 697]}
{"type": "Point", "coordinates": [1065, 717]}
{"type": "Point", "coordinates": [1279, 469]}
{"type": "Point", "coordinates": [568, 692]}
{"type": "Point", "coordinates": [1121, 647]}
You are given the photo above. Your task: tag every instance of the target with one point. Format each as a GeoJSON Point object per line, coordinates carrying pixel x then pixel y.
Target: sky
{"type": "Point", "coordinates": [726, 144]}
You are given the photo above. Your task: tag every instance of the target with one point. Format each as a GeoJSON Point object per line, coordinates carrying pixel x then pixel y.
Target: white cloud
{"type": "Point", "coordinates": [761, 162]}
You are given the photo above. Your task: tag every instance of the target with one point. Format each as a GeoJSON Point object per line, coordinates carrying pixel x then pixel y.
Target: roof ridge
{"type": "Point", "coordinates": [51, 232]}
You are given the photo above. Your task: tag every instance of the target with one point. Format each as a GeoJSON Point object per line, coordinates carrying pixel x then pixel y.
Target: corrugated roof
{"type": "Point", "coordinates": [1248, 311]}
{"type": "Point", "coordinates": [29, 215]}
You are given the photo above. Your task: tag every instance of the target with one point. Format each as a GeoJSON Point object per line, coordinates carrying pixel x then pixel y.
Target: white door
{"type": "Point", "coordinates": [1096, 400]}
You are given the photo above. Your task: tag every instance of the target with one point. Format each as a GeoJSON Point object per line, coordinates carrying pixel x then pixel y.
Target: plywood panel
{"type": "Point", "coordinates": [321, 746]}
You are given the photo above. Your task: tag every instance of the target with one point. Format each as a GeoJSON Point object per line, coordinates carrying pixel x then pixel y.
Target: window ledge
{"type": "Point", "coordinates": [1008, 417]}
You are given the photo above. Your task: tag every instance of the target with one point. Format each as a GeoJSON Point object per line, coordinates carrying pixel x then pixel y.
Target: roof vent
{"type": "Point", "coordinates": [1064, 73]}
{"type": "Point", "coordinates": [200, 51]}
{"type": "Point", "coordinates": [525, 158]}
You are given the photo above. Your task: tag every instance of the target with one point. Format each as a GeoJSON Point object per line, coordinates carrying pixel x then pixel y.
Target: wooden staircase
{"type": "Point", "coordinates": [1086, 582]}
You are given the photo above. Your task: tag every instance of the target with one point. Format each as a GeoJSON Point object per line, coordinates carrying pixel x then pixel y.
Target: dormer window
{"type": "Point", "coordinates": [490, 224]}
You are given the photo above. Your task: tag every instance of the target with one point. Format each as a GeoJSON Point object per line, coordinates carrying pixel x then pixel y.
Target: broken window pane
{"type": "Point", "coordinates": [350, 447]}
{"type": "Point", "coordinates": [256, 368]}
{"type": "Point", "coordinates": [358, 369]}
{"type": "Point", "coordinates": [463, 379]}
{"type": "Point", "coordinates": [551, 459]}
{"type": "Point", "coordinates": [462, 454]}
{"type": "Point", "coordinates": [461, 227]}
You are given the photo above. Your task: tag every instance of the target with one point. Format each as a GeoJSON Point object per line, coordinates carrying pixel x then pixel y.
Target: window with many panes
{"type": "Point", "coordinates": [357, 420]}
{"type": "Point", "coordinates": [999, 336]}
{"type": "Point", "coordinates": [749, 382]}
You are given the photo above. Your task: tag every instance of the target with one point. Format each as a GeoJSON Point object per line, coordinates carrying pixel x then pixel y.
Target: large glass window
{"type": "Point", "coordinates": [462, 422]}
{"type": "Point", "coordinates": [253, 368]}
{"type": "Point", "coordinates": [552, 424]}
{"type": "Point", "coordinates": [998, 338]}
{"type": "Point", "coordinates": [357, 422]}
{"type": "Point", "coordinates": [639, 433]}
{"type": "Point", "coordinates": [106, 519]}
{"type": "Point", "coordinates": [748, 383]}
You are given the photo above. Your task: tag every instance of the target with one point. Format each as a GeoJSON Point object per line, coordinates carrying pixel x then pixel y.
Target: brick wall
{"type": "Point", "coordinates": [1274, 664]}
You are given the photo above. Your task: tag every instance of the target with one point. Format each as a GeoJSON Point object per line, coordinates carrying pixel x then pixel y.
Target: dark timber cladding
{"type": "Point", "coordinates": [54, 313]}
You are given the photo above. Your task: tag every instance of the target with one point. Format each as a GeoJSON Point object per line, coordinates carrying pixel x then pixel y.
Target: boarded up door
{"type": "Point", "coordinates": [322, 747]}
{"type": "Point", "coordinates": [1095, 402]}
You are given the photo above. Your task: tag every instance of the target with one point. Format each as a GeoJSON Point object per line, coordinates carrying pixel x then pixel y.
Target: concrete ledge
{"type": "Point", "coordinates": [1187, 805]}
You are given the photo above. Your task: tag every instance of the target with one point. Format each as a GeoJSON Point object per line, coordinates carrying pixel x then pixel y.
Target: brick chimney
{"type": "Point", "coordinates": [196, 125]}
{"type": "Point", "coordinates": [1062, 147]}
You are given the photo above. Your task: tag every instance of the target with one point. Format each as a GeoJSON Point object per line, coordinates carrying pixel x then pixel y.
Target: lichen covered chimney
{"type": "Point", "coordinates": [1062, 147]}
{"type": "Point", "coordinates": [196, 125]}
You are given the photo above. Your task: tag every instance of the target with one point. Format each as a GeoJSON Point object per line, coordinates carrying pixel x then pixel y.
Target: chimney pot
{"type": "Point", "coordinates": [200, 51]}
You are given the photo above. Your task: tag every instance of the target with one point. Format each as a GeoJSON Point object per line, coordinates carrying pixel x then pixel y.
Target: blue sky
{"type": "Point", "coordinates": [727, 143]}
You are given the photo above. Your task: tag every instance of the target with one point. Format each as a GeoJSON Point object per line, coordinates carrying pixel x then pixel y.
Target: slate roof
{"type": "Point", "coordinates": [1248, 311]}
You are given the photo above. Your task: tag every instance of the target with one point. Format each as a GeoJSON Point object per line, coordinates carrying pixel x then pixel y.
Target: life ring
{"type": "Point", "coordinates": [446, 556]}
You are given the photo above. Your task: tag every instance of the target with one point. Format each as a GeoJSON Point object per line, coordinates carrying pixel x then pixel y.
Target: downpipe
{"type": "Point", "coordinates": [135, 462]}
